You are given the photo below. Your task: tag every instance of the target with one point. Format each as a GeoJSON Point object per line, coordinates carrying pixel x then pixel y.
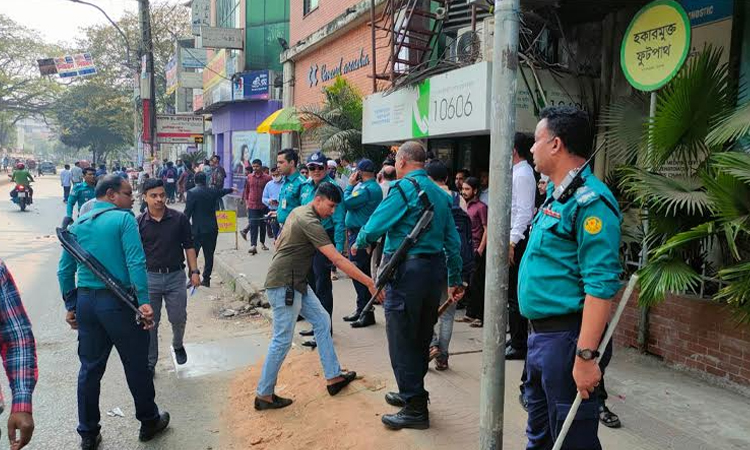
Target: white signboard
{"type": "Point", "coordinates": [193, 58]}
{"type": "Point", "coordinates": [201, 15]}
{"type": "Point", "coordinates": [191, 80]}
{"type": "Point", "coordinates": [214, 37]}
{"type": "Point", "coordinates": [176, 129]}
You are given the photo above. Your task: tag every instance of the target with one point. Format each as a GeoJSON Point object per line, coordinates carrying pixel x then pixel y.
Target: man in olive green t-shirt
{"type": "Point", "coordinates": [289, 294]}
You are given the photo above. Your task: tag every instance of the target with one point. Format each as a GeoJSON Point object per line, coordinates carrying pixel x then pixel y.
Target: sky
{"type": "Point", "coordinates": [59, 21]}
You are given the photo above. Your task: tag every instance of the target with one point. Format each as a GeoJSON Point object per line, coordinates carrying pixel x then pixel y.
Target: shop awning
{"type": "Point", "coordinates": [285, 120]}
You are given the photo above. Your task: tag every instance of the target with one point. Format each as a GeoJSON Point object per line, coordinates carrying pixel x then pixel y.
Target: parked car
{"type": "Point", "coordinates": [47, 167]}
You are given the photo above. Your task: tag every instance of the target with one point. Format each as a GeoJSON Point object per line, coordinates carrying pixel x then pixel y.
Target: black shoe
{"type": "Point", "coordinates": [277, 403]}
{"type": "Point", "coordinates": [151, 429]}
{"type": "Point", "coordinates": [352, 317]}
{"type": "Point", "coordinates": [413, 415]}
{"type": "Point", "coordinates": [511, 353]}
{"type": "Point", "coordinates": [243, 233]}
{"type": "Point", "coordinates": [91, 442]}
{"type": "Point", "coordinates": [180, 355]}
{"type": "Point", "coordinates": [306, 333]}
{"type": "Point", "coordinates": [335, 388]}
{"type": "Point", "coordinates": [395, 399]}
{"type": "Point", "coordinates": [524, 403]}
{"type": "Point", "coordinates": [310, 343]}
{"type": "Point", "coordinates": [206, 283]}
{"type": "Point", "coordinates": [368, 320]}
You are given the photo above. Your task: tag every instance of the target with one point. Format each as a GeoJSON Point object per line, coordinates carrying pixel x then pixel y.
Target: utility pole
{"type": "Point", "coordinates": [504, 72]}
{"type": "Point", "coordinates": [148, 85]}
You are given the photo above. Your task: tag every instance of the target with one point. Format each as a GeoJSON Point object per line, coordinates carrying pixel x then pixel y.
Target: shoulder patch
{"type": "Point", "coordinates": [592, 225]}
{"type": "Point", "coordinates": [355, 193]}
{"type": "Point", "coordinates": [585, 195]}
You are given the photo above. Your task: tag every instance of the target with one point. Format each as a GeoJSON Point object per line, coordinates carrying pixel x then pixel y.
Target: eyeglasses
{"type": "Point", "coordinates": [313, 168]}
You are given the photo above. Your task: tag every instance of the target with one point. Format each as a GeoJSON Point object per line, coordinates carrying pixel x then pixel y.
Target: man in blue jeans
{"type": "Point", "coordinates": [290, 295]}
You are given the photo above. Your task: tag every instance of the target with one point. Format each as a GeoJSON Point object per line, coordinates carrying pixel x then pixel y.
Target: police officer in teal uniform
{"type": "Point", "coordinates": [361, 197]}
{"type": "Point", "coordinates": [82, 192]}
{"type": "Point", "coordinates": [568, 276]}
{"type": "Point", "coordinates": [289, 197]}
{"type": "Point", "coordinates": [320, 275]}
{"type": "Point", "coordinates": [413, 295]}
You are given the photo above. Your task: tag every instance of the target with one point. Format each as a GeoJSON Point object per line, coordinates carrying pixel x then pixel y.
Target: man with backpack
{"type": "Point", "coordinates": [186, 181]}
{"type": "Point", "coordinates": [441, 338]}
{"type": "Point", "coordinates": [170, 181]}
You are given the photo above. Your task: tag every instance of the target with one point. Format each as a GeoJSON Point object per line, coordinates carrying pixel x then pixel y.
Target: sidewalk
{"type": "Point", "coordinates": [660, 407]}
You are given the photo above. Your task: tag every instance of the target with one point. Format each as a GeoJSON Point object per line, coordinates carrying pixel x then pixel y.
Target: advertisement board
{"type": "Point", "coordinates": [227, 221]}
{"type": "Point", "coordinates": [178, 129]}
{"type": "Point", "coordinates": [215, 37]}
{"type": "Point", "coordinates": [247, 146]}
{"type": "Point", "coordinates": [200, 15]}
{"type": "Point", "coordinates": [193, 58]}
{"type": "Point", "coordinates": [253, 85]}
{"type": "Point", "coordinates": [171, 73]}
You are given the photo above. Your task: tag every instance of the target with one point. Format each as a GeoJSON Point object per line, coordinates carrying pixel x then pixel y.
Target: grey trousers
{"type": "Point", "coordinates": [167, 288]}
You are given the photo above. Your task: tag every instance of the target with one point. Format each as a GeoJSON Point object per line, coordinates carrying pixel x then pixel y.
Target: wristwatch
{"type": "Point", "coordinates": [195, 272]}
{"type": "Point", "coordinates": [587, 354]}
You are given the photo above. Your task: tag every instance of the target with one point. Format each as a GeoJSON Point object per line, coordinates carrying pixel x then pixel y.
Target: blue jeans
{"type": "Point", "coordinates": [441, 337]}
{"type": "Point", "coordinates": [284, 321]}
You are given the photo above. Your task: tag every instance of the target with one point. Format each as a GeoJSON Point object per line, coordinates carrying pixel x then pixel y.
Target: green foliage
{"type": "Point", "coordinates": [194, 158]}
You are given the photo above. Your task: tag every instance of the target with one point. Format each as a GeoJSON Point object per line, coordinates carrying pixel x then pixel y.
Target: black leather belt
{"type": "Point", "coordinates": [424, 256]}
{"type": "Point", "coordinates": [166, 269]}
{"type": "Point", "coordinates": [567, 322]}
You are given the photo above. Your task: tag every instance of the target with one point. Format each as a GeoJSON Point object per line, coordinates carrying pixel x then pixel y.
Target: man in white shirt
{"type": "Point", "coordinates": [66, 181]}
{"type": "Point", "coordinates": [484, 187]}
{"type": "Point", "coordinates": [522, 211]}
{"type": "Point", "coordinates": [76, 173]}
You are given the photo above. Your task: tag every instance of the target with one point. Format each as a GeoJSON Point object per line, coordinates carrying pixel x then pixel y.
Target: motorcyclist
{"type": "Point", "coordinates": [23, 177]}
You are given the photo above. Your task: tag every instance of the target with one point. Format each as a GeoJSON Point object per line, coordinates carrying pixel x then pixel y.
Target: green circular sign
{"type": "Point", "coordinates": [656, 45]}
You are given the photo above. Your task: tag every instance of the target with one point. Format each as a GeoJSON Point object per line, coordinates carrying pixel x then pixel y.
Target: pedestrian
{"type": "Point", "coordinates": [290, 295]}
{"type": "Point", "coordinates": [320, 274]}
{"type": "Point", "coordinates": [5, 163]}
{"type": "Point", "coordinates": [66, 182]}
{"type": "Point", "coordinates": [76, 173]}
{"type": "Point", "coordinates": [289, 197]}
{"type": "Point", "coordinates": [101, 171]}
{"type": "Point", "coordinates": [385, 176]}
{"type": "Point", "coordinates": [170, 181]}
{"type": "Point", "coordinates": [413, 295]}
{"type": "Point", "coordinates": [304, 172]}
{"type": "Point", "coordinates": [443, 332]}
{"type": "Point", "coordinates": [200, 208]}
{"type": "Point", "coordinates": [186, 181]}
{"type": "Point", "coordinates": [484, 187]}
{"type": "Point", "coordinates": [81, 193]}
{"type": "Point", "coordinates": [569, 274]}
{"type": "Point", "coordinates": [19, 359]}
{"type": "Point", "coordinates": [142, 194]}
{"type": "Point", "coordinates": [206, 168]}
{"type": "Point", "coordinates": [252, 196]}
{"type": "Point", "coordinates": [102, 321]}
{"type": "Point", "coordinates": [271, 199]}
{"type": "Point", "coordinates": [521, 213]}
{"type": "Point", "coordinates": [461, 176]}
{"type": "Point", "coordinates": [216, 181]}
{"type": "Point", "coordinates": [477, 212]}
{"type": "Point", "coordinates": [168, 242]}
{"type": "Point", "coordinates": [361, 197]}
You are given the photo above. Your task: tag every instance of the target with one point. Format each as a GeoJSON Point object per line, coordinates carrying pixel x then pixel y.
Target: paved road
{"type": "Point", "coordinates": [29, 247]}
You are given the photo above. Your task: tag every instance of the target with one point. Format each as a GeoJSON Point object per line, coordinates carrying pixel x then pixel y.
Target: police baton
{"type": "Point", "coordinates": [602, 347]}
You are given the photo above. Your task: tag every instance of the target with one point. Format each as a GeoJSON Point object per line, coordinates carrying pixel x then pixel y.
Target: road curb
{"type": "Point", "coordinates": [237, 282]}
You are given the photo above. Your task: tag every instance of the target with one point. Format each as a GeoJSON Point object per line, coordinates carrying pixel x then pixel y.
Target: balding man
{"type": "Point", "coordinates": [413, 295]}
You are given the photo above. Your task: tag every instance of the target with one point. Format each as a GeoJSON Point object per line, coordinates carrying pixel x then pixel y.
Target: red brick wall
{"type": "Point", "coordinates": [300, 27]}
{"type": "Point", "coordinates": [698, 334]}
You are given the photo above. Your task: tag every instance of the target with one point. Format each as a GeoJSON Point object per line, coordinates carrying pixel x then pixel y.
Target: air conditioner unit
{"type": "Point", "coordinates": [473, 46]}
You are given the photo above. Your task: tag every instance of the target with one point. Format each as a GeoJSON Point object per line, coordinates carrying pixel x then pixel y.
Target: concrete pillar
{"type": "Point", "coordinates": [287, 139]}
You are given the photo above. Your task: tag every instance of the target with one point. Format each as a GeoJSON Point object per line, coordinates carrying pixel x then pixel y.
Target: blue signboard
{"type": "Point", "coordinates": [702, 12]}
{"type": "Point", "coordinates": [253, 85]}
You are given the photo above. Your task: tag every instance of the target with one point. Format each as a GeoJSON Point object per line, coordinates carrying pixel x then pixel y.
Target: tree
{"type": "Point", "coordinates": [96, 117]}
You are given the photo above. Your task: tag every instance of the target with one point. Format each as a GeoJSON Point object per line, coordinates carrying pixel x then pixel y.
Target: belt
{"type": "Point", "coordinates": [424, 256]}
{"type": "Point", "coordinates": [166, 269]}
{"type": "Point", "coordinates": [566, 322]}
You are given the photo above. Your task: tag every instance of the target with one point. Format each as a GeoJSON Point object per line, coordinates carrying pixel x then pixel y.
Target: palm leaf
{"type": "Point", "coordinates": [731, 128]}
{"type": "Point", "coordinates": [734, 163]}
{"type": "Point", "coordinates": [730, 198]}
{"type": "Point", "coordinates": [698, 97]}
{"type": "Point", "coordinates": [665, 275]}
{"type": "Point", "coordinates": [625, 128]}
{"type": "Point", "coordinates": [670, 196]}
{"type": "Point", "coordinates": [737, 292]}
{"type": "Point", "coordinates": [701, 233]}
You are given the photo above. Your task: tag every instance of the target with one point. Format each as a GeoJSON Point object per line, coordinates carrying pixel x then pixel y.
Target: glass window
{"type": "Point", "coordinates": [308, 6]}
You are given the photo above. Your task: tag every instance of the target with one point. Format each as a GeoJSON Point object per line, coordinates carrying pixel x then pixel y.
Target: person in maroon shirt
{"type": "Point", "coordinates": [252, 195]}
{"type": "Point", "coordinates": [478, 214]}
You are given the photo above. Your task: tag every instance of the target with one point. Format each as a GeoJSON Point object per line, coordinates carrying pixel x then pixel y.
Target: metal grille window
{"type": "Point", "coordinates": [309, 5]}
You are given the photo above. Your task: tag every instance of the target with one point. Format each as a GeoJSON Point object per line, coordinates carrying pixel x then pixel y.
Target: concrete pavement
{"type": "Point", "coordinates": [660, 408]}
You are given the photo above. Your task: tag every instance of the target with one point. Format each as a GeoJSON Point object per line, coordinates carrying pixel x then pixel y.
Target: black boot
{"type": "Point", "coordinates": [368, 320]}
{"type": "Point", "coordinates": [152, 428]}
{"type": "Point", "coordinates": [395, 399]}
{"type": "Point", "coordinates": [91, 442]}
{"type": "Point", "coordinates": [413, 415]}
{"type": "Point", "coordinates": [352, 317]}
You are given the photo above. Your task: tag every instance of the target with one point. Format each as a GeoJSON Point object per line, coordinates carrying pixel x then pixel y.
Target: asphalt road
{"type": "Point", "coordinates": [30, 249]}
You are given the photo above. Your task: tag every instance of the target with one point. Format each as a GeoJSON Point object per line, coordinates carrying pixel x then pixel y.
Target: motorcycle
{"type": "Point", "coordinates": [21, 196]}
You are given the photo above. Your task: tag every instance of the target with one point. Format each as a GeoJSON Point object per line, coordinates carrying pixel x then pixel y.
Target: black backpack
{"type": "Point", "coordinates": [189, 181]}
{"type": "Point", "coordinates": [463, 227]}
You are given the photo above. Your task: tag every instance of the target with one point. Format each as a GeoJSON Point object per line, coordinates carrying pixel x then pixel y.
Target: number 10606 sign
{"type": "Point", "coordinates": [455, 107]}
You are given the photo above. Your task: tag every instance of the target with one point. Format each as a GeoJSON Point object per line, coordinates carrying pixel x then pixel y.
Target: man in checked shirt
{"type": "Point", "coordinates": [18, 350]}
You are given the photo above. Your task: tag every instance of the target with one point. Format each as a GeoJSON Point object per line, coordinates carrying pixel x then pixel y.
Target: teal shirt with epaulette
{"type": "Point", "coordinates": [573, 251]}
{"type": "Point", "coordinates": [80, 194]}
{"type": "Point", "coordinates": [289, 197]}
{"type": "Point", "coordinates": [336, 221]}
{"type": "Point", "coordinates": [400, 211]}
{"type": "Point", "coordinates": [360, 202]}
{"type": "Point", "coordinates": [112, 238]}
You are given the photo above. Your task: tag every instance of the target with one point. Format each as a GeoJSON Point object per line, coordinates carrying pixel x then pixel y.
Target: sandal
{"type": "Point", "coordinates": [476, 324]}
{"type": "Point", "coordinates": [441, 365]}
{"type": "Point", "coordinates": [608, 418]}
{"type": "Point", "coordinates": [434, 352]}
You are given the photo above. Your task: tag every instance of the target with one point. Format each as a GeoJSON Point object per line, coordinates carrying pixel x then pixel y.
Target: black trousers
{"type": "Point", "coordinates": [319, 279]}
{"type": "Point", "coordinates": [207, 241]}
{"type": "Point", "coordinates": [411, 302]}
{"type": "Point", "coordinates": [519, 325]}
{"type": "Point", "coordinates": [362, 261]}
{"type": "Point", "coordinates": [475, 309]}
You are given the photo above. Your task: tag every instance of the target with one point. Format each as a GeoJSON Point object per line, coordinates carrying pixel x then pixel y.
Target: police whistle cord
{"type": "Point", "coordinates": [71, 245]}
{"type": "Point", "coordinates": [389, 269]}
{"type": "Point", "coordinates": [602, 347]}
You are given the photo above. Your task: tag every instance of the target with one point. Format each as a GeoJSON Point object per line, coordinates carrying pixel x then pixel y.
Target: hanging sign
{"type": "Point", "coordinates": [655, 45]}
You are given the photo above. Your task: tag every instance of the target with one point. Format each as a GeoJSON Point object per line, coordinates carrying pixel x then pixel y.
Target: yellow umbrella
{"type": "Point", "coordinates": [285, 120]}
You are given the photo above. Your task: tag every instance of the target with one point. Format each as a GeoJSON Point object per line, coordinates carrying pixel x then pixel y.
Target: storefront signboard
{"type": "Point", "coordinates": [178, 129]}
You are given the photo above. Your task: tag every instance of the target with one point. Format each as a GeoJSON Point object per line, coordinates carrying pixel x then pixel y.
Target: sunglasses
{"type": "Point", "coordinates": [313, 168]}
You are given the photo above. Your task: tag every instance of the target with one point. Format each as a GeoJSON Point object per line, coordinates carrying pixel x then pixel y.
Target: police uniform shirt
{"type": "Point", "coordinates": [336, 221]}
{"type": "Point", "coordinates": [289, 196]}
{"type": "Point", "coordinates": [573, 250]}
{"type": "Point", "coordinates": [400, 211]}
{"type": "Point", "coordinates": [80, 194]}
{"type": "Point", "coordinates": [360, 202]}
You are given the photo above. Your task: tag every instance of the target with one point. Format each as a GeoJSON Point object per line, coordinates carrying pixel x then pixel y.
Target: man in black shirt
{"type": "Point", "coordinates": [166, 234]}
{"type": "Point", "coordinates": [200, 208]}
